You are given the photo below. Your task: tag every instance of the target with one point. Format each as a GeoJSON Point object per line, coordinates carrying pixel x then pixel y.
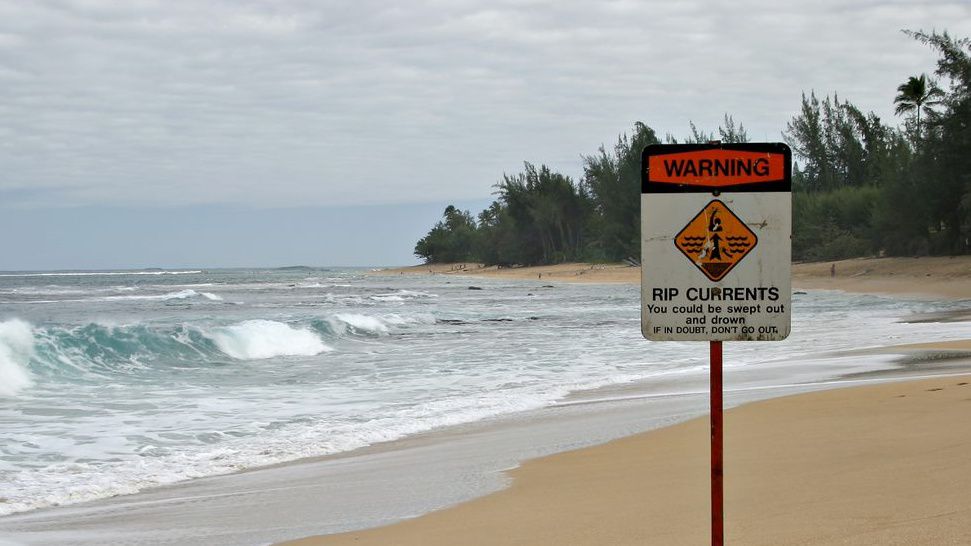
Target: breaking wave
{"type": "Point", "coordinates": [99, 273]}
{"type": "Point", "coordinates": [258, 339]}
{"type": "Point", "coordinates": [343, 324]}
{"type": "Point", "coordinates": [180, 295]}
{"type": "Point", "coordinates": [402, 295]}
{"type": "Point", "coordinates": [94, 351]}
{"type": "Point", "coordinates": [16, 350]}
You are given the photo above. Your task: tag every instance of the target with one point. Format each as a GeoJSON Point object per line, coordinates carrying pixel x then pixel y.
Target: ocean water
{"type": "Point", "coordinates": [113, 382]}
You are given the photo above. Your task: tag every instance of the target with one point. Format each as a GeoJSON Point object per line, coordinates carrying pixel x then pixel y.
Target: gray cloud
{"type": "Point", "coordinates": [266, 103]}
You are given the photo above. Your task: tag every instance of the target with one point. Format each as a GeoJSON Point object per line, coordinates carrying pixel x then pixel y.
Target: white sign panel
{"type": "Point", "coordinates": [716, 242]}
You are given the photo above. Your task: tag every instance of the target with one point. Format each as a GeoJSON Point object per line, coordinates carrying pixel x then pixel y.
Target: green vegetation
{"type": "Point", "coordinates": [860, 187]}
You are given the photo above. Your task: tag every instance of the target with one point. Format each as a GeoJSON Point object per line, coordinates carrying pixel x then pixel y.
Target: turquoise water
{"type": "Point", "coordinates": [111, 382]}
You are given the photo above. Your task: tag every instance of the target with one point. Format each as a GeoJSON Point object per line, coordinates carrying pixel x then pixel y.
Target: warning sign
{"type": "Point", "coordinates": [715, 240]}
{"type": "Point", "coordinates": [716, 168]}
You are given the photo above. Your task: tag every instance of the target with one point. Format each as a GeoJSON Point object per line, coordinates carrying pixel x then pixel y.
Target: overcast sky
{"type": "Point", "coordinates": [116, 111]}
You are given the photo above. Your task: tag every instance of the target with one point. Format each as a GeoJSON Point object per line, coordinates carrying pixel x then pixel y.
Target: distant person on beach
{"type": "Point", "coordinates": [832, 270]}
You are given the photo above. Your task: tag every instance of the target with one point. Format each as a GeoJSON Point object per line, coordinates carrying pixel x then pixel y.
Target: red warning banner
{"type": "Point", "coordinates": [716, 168]}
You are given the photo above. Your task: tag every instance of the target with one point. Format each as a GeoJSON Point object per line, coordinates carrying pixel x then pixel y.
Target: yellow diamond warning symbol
{"type": "Point", "coordinates": [715, 240]}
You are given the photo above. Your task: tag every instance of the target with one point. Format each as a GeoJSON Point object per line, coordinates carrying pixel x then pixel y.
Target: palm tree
{"type": "Point", "coordinates": [917, 93]}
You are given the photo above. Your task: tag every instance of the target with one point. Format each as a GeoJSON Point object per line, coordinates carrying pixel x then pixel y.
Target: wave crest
{"type": "Point", "coordinates": [94, 351]}
{"type": "Point", "coordinates": [100, 273]}
{"type": "Point", "coordinates": [402, 295]}
{"type": "Point", "coordinates": [342, 324]}
{"type": "Point", "coordinates": [16, 350]}
{"type": "Point", "coordinates": [180, 295]}
{"type": "Point", "coordinates": [258, 339]}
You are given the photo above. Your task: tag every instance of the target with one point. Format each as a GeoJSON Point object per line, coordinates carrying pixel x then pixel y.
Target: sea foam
{"type": "Point", "coordinates": [363, 323]}
{"type": "Point", "coordinates": [180, 295]}
{"type": "Point", "coordinates": [100, 273]}
{"type": "Point", "coordinates": [16, 350]}
{"type": "Point", "coordinates": [402, 295]}
{"type": "Point", "coordinates": [257, 339]}
{"type": "Point", "coordinates": [342, 324]}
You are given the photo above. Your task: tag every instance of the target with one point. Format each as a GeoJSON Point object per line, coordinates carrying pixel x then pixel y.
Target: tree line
{"type": "Point", "coordinates": [861, 187]}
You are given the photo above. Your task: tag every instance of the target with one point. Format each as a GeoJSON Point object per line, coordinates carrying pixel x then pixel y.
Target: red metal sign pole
{"type": "Point", "coordinates": [717, 489]}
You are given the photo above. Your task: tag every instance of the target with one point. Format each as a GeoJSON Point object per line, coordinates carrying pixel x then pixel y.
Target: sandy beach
{"type": "Point", "coordinates": [934, 277]}
{"type": "Point", "coordinates": [882, 464]}
{"type": "Point", "coordinates": [876, 464]}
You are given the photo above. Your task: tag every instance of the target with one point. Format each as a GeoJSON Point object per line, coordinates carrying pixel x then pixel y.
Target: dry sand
{"type": "Point", "coordinates": [882, 465]}
{"type": "Point", "coordinates": [947, 277]}
{"type": "Point", "coordinates": [569, 272]}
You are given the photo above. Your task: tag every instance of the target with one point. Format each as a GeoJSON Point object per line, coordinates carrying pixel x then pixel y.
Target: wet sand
{"type": "Point", "coordinates": [883, 464]}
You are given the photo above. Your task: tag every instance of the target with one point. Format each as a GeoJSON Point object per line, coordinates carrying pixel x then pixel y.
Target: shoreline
{"type": "Point", "coordinates": [509, 516]}
{"type": "Point", "coordinates": [289, 495]}
{"type": "Point", "coordinates": [292, 495]}
{"type": "Point", "coordinates": [281, 477]}
{"type": "Point", "coordinates": [879, 464]}
{"type": "Point", "coordinates": [929, 277]}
